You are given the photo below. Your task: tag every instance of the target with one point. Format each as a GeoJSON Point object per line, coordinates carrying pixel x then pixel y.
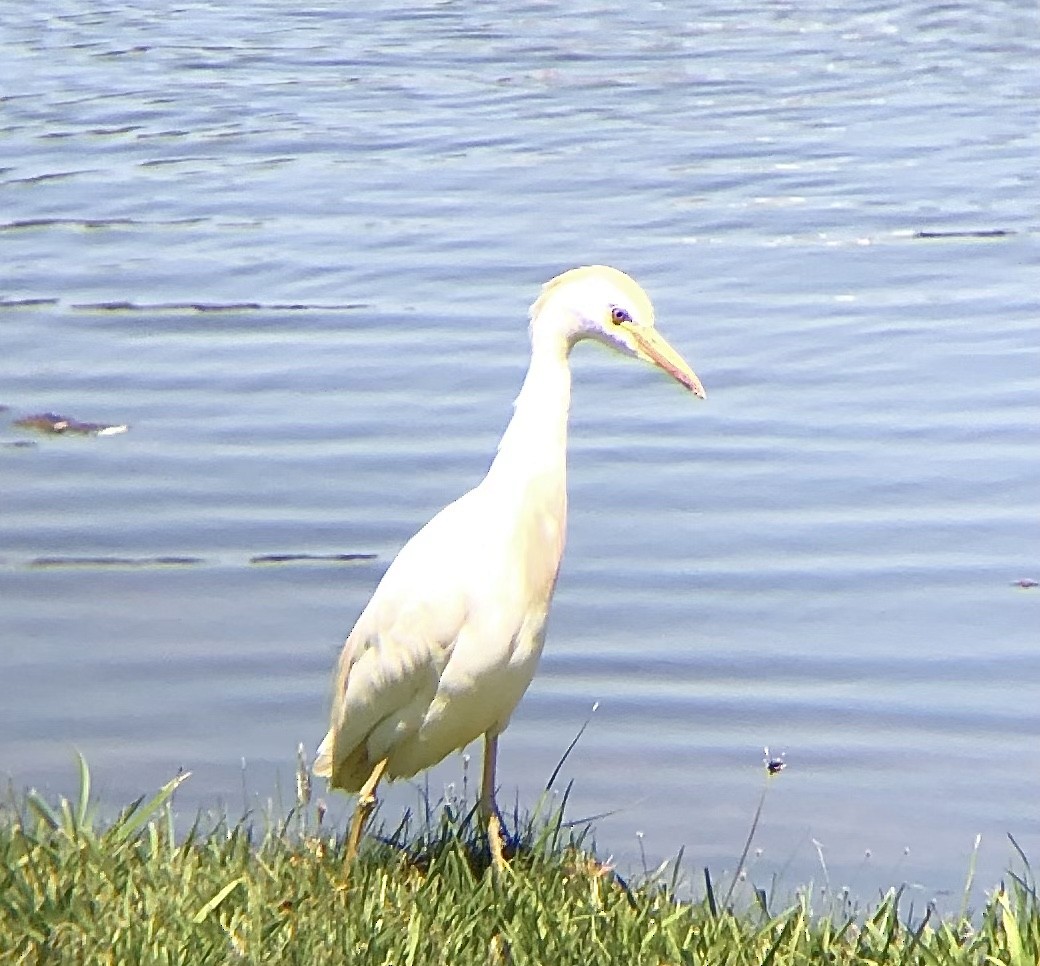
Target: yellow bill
{"type": "Point", "coordinates": [651, 346]}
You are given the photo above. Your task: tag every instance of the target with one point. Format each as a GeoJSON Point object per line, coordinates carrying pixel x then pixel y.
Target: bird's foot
{"type": "Point", "coordinates": [365, 803]}
{"type": "Point", "coordinates": [498, 859]}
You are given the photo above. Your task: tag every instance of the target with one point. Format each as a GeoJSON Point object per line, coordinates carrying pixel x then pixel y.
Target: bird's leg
{"type": "Point", "coordinates": [365, 803]}
{"type": "Point", "coordinates": [488, 808]}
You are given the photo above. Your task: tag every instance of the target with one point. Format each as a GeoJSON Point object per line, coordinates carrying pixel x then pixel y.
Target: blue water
{"type": "Point", "coordinates": [293, 250]}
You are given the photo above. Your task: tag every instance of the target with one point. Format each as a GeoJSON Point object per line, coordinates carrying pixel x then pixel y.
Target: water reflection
{"type": "Point", "coordinates": [296, 262]}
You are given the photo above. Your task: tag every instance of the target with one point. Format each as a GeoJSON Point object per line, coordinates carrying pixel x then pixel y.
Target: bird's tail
{"type": "Point", "coordinates": [323, 760]}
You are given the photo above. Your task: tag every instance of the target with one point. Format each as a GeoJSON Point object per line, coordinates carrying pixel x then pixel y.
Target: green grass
{"type": "Point", "coordinates": [76, 890]}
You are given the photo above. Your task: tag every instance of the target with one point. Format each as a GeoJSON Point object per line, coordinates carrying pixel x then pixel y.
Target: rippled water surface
{"type": "Point", "coordinates": [292, 248]}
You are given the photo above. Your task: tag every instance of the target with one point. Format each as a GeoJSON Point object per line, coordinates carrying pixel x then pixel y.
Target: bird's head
{"type": "Point", "coordinates": [602, 303]}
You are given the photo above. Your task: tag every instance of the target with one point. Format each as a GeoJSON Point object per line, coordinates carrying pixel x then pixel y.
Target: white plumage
{"type": "Point", "coordinates": [451, 638]}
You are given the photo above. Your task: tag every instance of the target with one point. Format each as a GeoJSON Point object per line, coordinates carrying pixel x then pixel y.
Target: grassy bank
{"type": "Point", "coordinates": [73, 890]}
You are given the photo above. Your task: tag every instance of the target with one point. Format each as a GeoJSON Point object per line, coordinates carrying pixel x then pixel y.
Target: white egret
{"type": "Point", "coordinates": [449, 642]}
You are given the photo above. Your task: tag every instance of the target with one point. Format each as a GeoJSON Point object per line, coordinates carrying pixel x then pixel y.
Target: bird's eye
{"type": "Point", "coordinates": [619, 315]}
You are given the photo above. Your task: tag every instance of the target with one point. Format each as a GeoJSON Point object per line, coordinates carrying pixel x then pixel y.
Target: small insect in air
{"type": "Point", "coordinates": [774, 765]}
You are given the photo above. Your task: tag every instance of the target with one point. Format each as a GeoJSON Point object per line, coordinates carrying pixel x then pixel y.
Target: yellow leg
{"type": "Point", "coordinates": [366, 802]}
{"type": "Point", "coordinates": [488, 808]}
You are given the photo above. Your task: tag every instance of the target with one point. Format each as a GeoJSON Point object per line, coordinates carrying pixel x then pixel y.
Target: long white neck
{"type": "Point", "coordinates": [534, 445]}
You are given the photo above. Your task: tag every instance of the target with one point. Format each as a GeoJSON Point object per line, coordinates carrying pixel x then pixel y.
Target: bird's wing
{"type": "Point", "coordinates": [465, 599]}
{"type": "Point", "coordinates": [392, 661]}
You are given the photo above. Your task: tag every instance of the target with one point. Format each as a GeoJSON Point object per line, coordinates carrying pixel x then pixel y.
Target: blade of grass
{"type": "Point", "coordinates": [83, 803]}
{"type": "Point", "coordinates": [208, 907]}
{"type": "Point", "coordinates": [710, 894]}
{"type": "Point", "coordinates": [567, 753]}
{"type": "Point", "coordinates": [139, 814]}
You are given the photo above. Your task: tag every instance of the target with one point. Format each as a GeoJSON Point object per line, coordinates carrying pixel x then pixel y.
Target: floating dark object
{"type": "Point", "coordinates": [115, 561]}
{"type": "Point", "coordinates": [25, 303]}
{"type": "Point", "coordinates": [978, 233]}
{"type": "Point", "coordinates": [63, 222]}
{"type": "Point", "coordinates": [216, 306]}
{"type": "Point", "coordinates": [1026, 582]}
{"type": "Point", "coordinates": [275, 558]}
{"type": "Point", "coordinates": [53, 424]}
{"type": "Point", "coordinates": [774, 763]}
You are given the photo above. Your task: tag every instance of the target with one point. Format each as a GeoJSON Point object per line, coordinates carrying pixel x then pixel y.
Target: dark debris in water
{"type": "Point", "coordinates": [1026, 582]}
{"type": "Point", "coordinates": [279, 558]}
{"type": "Point", "coordinates": [177, 560]}
{"type": "Point", "coordinates": [26, 303]}
{"type": "Point", "coordinates": [88, 223]}
{"type": "Point", "coordinates": [162, 561]}
{"type": "Point", "coordinates": [976, 233]}
{"type": "Point", "coordinates": [51, 424]}
{"type": "Point", "coordinates": [120, 306]}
